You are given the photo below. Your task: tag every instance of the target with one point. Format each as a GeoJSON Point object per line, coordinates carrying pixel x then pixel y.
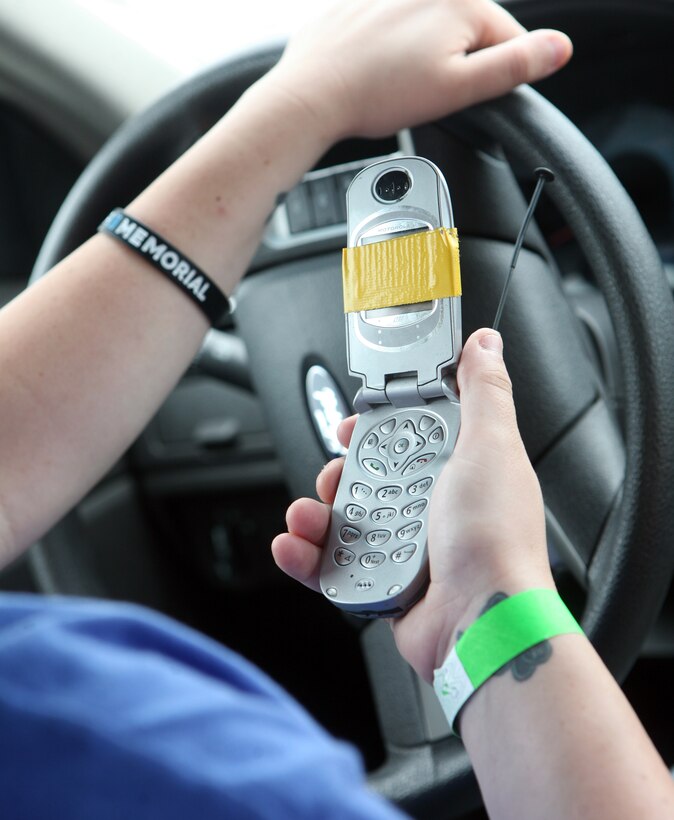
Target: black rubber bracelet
{"type": "Point", "coordinates": [194, 283]}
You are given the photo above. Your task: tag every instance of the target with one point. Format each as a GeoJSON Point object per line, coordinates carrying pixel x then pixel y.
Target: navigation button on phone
{"type": "Point", "coordinates": [437, 436]}
{"type": "Point", "coordinates": [374, 466]}
{"type": "Point", "coordinates": [426, 422]}
{"type": "Point", "coordinates": [388, 426]}
{"type": "Point", "coordinates": [371, 441]}
{"type": "Point", "coordinates": [418, 464]}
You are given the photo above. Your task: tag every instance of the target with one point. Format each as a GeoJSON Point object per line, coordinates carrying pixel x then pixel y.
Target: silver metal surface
{"type": "Point", "coordinates": [392, 481]}
{"type": "Point", "coordinates": [422, 339]}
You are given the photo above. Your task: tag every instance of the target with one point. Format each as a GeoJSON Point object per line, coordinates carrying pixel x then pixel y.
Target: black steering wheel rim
{"type": "Point", "coordinates": [630, 570]}
{"type": "Point", "coordinates": [628, 270]}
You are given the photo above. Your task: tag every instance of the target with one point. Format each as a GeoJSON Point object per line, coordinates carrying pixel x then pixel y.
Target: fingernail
{"type": "Point", "coordinates": [493, 342]}
{"type": "Point", "coordinates": [558, 46]}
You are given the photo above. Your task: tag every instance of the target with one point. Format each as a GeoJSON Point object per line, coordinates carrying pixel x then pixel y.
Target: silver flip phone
{"type": "Point", "coordinates": [375, 561]}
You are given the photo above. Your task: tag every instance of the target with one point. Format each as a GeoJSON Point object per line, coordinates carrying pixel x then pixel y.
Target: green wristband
{"type": "Point", "coordinates": [502, 633]}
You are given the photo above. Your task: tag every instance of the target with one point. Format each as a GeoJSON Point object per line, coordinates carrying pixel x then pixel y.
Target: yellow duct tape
{"type": "Point", "coordinates": [402, 271]}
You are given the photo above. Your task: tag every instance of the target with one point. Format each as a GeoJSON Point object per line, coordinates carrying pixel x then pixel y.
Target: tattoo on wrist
{"type": "Point", "coordinates": [524, 665]}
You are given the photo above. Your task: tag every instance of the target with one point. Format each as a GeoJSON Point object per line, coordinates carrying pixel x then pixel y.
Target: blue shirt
{"type": "Point", "coordinates": [112, 711]}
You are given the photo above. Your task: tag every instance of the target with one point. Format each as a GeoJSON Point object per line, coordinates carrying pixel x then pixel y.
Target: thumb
{"type": "Point", "coordinates": [487, 407]}
{"type": "Point", "coordinates": [497, 69]}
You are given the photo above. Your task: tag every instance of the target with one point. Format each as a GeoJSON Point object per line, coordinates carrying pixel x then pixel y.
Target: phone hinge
{"type": "Point", "coordinates": [404, 392]}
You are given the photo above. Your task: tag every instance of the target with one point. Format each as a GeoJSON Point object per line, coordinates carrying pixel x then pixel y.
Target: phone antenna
{"type": "Point", "coordinates": [542, 175]}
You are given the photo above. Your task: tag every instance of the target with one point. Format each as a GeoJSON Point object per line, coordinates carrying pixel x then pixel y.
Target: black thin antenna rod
{"type": "Point", "coordinates": [543, 175]}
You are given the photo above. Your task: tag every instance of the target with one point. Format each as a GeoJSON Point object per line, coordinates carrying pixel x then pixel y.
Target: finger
{"type": "Point", "coordinates": [487, 407]}
{"type": "Point", "coordinates": [496, 70]}
{"type": "Point", "coordinates": [499, 25]}
{"type": "Point", "coordinates": [327, 480]}
{"type": "Point", "coordinates": [298, 558]}
{"type": "Point", "coordinates": [345, 430]}
{"type": "Point", "coordinates": [309, 519]}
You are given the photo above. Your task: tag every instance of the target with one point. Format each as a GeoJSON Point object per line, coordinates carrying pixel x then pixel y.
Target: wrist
{"type": "Point", "coordinates": [279, 132]}
{"type": "Point", "coordinates": [214, 201]}
{"type": "Point", "coordinates": [513, 630]}
{"type": "Point", "coordinates": [312, 101]}
{"type": "Point", "coordinates": [482, 597]}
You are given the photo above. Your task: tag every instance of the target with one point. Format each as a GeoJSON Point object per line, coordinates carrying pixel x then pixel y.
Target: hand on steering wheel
{"type": "Point", "coordinates": [435, 58]}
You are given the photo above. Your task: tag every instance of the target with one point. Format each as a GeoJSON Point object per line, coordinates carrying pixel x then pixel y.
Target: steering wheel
{"type": "Point", "coordinates": [609, 492]}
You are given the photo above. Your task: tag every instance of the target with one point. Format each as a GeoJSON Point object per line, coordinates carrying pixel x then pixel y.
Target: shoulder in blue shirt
{"type": "Point", "coordinates": [112, 711]}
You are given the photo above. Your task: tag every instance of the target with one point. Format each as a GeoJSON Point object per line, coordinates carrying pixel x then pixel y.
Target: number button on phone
{"type": "Point", "coordinates": [389, 493]}
{"type": "Point", "coordinates": [377, 537]}
{"type": "Point", "coordinates": [343, 557]}
{"type": "Point", "coordinates": [409, 531]}
{"type": "Point", "coordinates": [420, 487]}
{"type": "Point", "coordinates": [383, 514]}
{"type": "Point", "coordinates": [404, 553]}
{"type": "Point", "coordinates": [354, 512]}
{"type": "Point", "coordinates": [374, 466]}
{"type": "Point", "coordinates": [349, 534]}
{"type": "Point", "coordinates": [372, 559]}
{"type": "Point", "coordinates": [415, 508]}
{"type": "Point", "coordinates": [360, 491]}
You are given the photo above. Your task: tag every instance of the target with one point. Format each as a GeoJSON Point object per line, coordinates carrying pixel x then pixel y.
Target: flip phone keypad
{"type": "Point", "coordinates": [388, 508]}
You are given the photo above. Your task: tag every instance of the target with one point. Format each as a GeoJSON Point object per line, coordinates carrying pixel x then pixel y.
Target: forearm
{"type": "Point", "coordinates": [564, 743]}
{"type": "Point", "coordinates": [89, 352]}
{"type": "Point", "coordinates": [550, 735]}
{"type": "Point", "coordinates": [215, 200]}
